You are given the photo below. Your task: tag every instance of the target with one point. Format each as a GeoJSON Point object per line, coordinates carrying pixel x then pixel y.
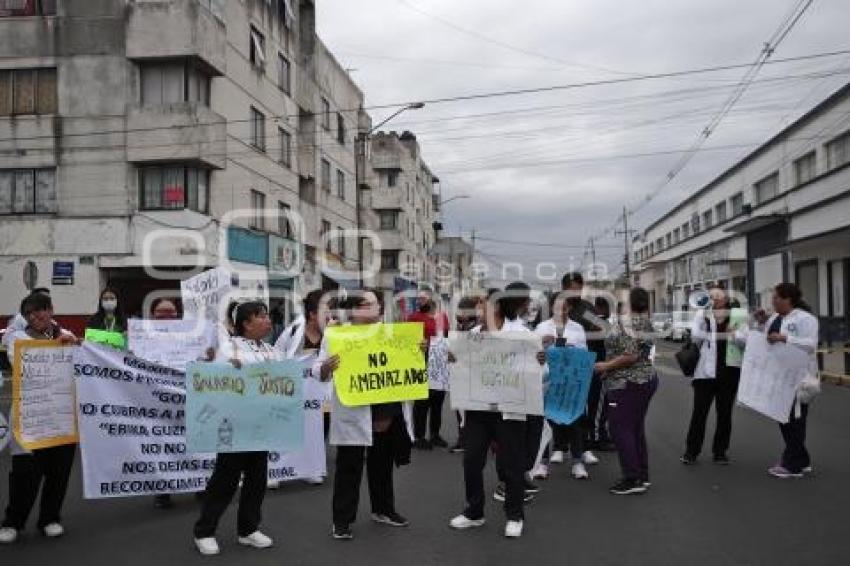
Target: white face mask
{"type": "Point", "coordinates": [109, 305]}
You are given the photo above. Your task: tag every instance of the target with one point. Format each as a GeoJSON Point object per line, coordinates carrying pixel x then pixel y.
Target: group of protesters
{"type": "Point", "coordinates": [382, 437]}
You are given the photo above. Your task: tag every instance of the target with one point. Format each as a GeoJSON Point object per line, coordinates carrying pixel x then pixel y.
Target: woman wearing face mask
{"type": "Point", "coordinates": [251, 324]}
{"type": "Point", "coordinates": [109, 316]}
{"type": "Point", "coordinates": [377, 436]}
{"type": "Point", "coordinates": [45, 469]}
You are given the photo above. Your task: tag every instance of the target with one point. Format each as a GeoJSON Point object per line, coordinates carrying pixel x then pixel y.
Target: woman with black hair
{"type": "Point", "coordinates": [44, 469]}
{"type": "Point", "coordinates": [109, 318]}
{"type": "Point", "coordinates": [792, 324]}
{"type": "Point", "coordinates": [251, 323]}
{"type": "Point", "coordinates": [630, 381]}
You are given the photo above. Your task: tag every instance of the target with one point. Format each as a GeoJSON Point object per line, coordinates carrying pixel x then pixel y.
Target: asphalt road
{"type": "Point", "coordinates": [701, 515]}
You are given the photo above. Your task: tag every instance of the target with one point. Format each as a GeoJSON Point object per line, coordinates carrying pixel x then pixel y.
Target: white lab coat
{"type": "Point", "coordinates": [352, 426]}
{"type": "Point", "coordinates": [573, 332]}
{"type": "Point", "coordinates": [290, 340]}
{"type": "Point", "coordinates": [706, 338]}
{"type": "Point", "coordinates": [802, 330]}
{"type": "Point", "coordinates": [246, 351]}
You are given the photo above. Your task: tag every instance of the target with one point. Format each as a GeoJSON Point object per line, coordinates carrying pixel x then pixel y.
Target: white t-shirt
{"type": "Point", "coordinates": [573, 332]}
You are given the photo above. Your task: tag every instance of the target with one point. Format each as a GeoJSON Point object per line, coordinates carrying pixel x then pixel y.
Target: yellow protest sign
{"type": "Point", "coordinates": [378, 363]}
{"type": "Point", "coordinates": [44, 407]}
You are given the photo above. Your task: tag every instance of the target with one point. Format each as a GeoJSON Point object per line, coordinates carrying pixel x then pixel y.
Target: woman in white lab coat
{"type": "Point", "coordinates": [792, 324]}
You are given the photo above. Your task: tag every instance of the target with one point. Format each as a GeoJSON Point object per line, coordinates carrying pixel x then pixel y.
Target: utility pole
{"type": "Point", "coordinates": [593, 256]}
{"type": "Point", "coordinates": [626, 233]}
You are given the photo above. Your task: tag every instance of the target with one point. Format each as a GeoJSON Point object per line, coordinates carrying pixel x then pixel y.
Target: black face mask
{"type": "Point", "coordinates": [424, 308]}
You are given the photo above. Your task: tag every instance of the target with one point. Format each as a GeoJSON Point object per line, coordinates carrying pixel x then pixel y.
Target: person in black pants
{"type": "Point", "coordinates": [251, 324]}
{"type": "Point", "coordinates": [422, 409]}
{"type": "Point", "coordinates": [715, 379]}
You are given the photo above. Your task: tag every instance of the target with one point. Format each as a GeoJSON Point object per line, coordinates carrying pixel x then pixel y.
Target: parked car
{"type": "Point", "coordinates": [681, 328]}
{"type": "Point", "coordinates": [662, 323]}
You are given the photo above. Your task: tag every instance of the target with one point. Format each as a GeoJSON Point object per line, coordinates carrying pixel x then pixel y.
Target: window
{"type": "Point", "coordinates": [767, 188]}
{"type": "Point", "coordinates": [389, 259]}
{"type": "Point", "coordinates": [174, 188]}
{"type": "Point", "coordinates": [837, 151]}
{"type": "Point", "coordinates": [27, 91]}
{"type": "Point", "coordinates": [258, 129]}
{"type": "Point", "coordinates": [340, 128]}
{"type": "Point", "coordinates": [284, 228]}
{"type": "Point", "coordinates": [285, 147]}
{"type": "Point", "coordinates": [389, 219]}
{"type": "Point", "coordinates": [284, 74]}
{"type": "Point", "coordinates": [707, 219]}
{"type": "Point", "coordinates": [668, 240]}
{"type": "Point", "coordinates": [677, 236]}
{"type": "Point", "coordinates": [659, 244]}
{"type": "Point", "coordinates": [326, 228]}
{"type": "Point", "coordinates": [737, 201]}
{"type": "Point", "coordinates": [326, 114]}
{"type": "Point", "coordinates": [27, 8]}
{"type": "Point", "coordinates": [27, 191]}
{"type": "Point", "coordinates": [171, 83]}
{"type": "Point", "coordinates": [340, 241]}
{"type": "Point", "coordinates": [340, 184]}
{"type": "Point", "coordinates": [720, 212]}
{"type": "Point", "coordinates": [258, 209]}
{"type": "Point", "coordinates": [392, 178]}
{"type": "Point", "coordinates": [695, 223]}
{"type": "Point", "coordinates": [805, 168]}
{"type": "Point", "coordinates": [686, 231]}
{"type": "Point", "coordinates": [257, 49]}
{"type": "Point", "coordinates": [326, 175]}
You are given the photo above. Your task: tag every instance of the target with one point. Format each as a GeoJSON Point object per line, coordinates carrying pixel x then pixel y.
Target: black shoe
{"type": "Point", "coordinates": [438, 442]}
{"type": "Point", "coordinates": [721, 459]}
{"type": "Point", "coordinates": [628, 487]}
{"type": "Point", "coordinates": [163, 501]}
{"type": "Point", "coordinates": [422, 444]}
{"type": "Point", "coordinates": [456, 448]}
{"type": "Point", "coordinates": [392, 519]}
{"type": "Point", "coordinates": [499, 494]}
{"type": "Point", "coordinates": [531, 487]}
{"type": "Point", "coordinates": [342, 532]}
{"type": "Point", "coordinates": [688, 459]}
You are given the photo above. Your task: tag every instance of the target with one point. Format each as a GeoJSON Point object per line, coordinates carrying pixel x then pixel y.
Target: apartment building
{"type": "Point", "coordinates": [406, 206]}
{"type": "Point", "coordinates": [142, 141]}
{"type": "Point", "coordinates": [779, 214]}
{"type": "Point", "coordinates": [453, 259]}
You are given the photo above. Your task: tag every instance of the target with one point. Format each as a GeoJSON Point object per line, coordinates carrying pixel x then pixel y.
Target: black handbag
{"type": "Point", "coordinates": [688, 358]}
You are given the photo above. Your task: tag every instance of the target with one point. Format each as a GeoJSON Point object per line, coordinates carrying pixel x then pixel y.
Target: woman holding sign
{"type": "Point", "coordinates": [47, 469]}
{"type": "Point", "coordinates": [108, 325]}
{"type": "Point", "coordinates": [377, 436]}
{"type": "Point", "coordinates": [792, 324]}
{"type": "Point", "coordinates": [251, 323]}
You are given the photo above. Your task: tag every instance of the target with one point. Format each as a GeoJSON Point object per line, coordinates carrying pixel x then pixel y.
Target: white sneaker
{"type": "Point", "coordinates": [579, 472]}
{"type": "Point", "coordinates": [207, 546]}
{"type": "Point", "coordinates": [557, 457]}
{"type": "Point", "coordinates": [273, 485]}
{"type": "Point", "coordinates": [54, 530]}
{"type": "Point", "coordinates": [8, 535]}
{"type": "Point", "coordinates": [513, 529]}
{"type": "Point", "coordinates": [588, 458]}
{"type": "Point", "coordinates": [256, 539]}
{"type": "Point", "coordinates": [540, 472]}
{"type": "Point", "coordinates": [462, 522]}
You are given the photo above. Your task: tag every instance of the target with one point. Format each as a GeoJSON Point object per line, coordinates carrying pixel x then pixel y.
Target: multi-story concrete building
{"type": "Point", "coordinates": [453, 258]}
{"type": "Point", "coordinates": [406, 206]}
{"type": "Point", "coordinates": [779, 214]}
{"type": "Point", "coordinates": [141, 141]}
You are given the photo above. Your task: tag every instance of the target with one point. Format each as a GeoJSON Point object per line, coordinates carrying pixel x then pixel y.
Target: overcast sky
{"type": "Point", "coordinates": [558, 167]}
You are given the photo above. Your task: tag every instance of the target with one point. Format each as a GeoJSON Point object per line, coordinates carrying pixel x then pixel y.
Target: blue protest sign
{"type": "Point", "coordinates": [257, 408]}
{"type": "Point", "coordinates": [570, 373]}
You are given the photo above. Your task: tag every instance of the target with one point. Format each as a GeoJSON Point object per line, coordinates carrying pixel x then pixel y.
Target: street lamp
{"type": "Point", "coordinates": [448, 200]}
{"type": "Point", "coordinates": [361, 175]}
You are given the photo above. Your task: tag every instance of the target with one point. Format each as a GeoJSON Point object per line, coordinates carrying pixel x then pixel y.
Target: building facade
{"type": "Point", "coordinates": [779, 214]}
{"type": "Point", "coordinates": [453, 260]}
{"type": "Point", "coordinates": [141, 142]}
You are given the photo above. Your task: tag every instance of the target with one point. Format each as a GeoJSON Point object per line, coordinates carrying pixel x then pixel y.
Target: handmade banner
{"type": "Point", "coordinates": [43, 406]}
{"type": "Point", "coordinates": [570, 373]}
{"type": "Point", "coordinates": [172, 343]}
{"type": "Point", "coordinates": [378, 363]}
{"type": "Point", "coordinates": [438, 364]}
{"type": "Point", "coordinates": [770, 376]}
{"type": "Point", "coordinates": [132, 426]}
{"type": "Point", "coordinates": [202, 294]}
{"type": "Point", "coordinates": [256, 408]}
{"type": "Point", "coordinates": [496, 372]}
{"type": "Point", "coordinates": [310, 461]}
{"type": "Point", "coordinates": [108, 337]}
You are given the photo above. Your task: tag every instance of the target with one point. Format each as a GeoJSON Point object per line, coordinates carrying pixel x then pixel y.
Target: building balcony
{"type": "Point", "coordinates": [387, 199]}
{"type": "Point", "coordinates": [177, 132]}
{"type": "Point", "coordinates": [179, 28]}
